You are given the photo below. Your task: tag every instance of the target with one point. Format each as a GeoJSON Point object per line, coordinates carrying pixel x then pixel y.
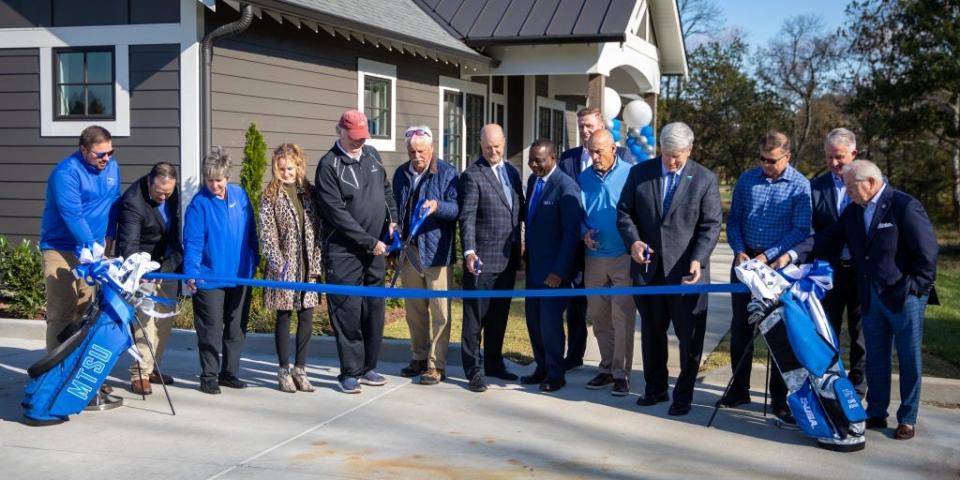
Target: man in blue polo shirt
{"type": "Point", "coordinates": [80, 210]}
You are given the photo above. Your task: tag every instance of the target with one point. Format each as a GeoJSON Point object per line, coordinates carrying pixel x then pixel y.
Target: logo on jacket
{"type": "Point", "coordinates": [884, 225]}
{"type": "Point", "coordinates": [111, 181]}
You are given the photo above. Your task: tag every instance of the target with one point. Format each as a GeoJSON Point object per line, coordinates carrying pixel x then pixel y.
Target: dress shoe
{"type": "Point", "coordinates": [106, 389]}
{"type": "Point", "coordinates": [678, 409]}
{"type": "Point", "coordinates": [158, 379]}
{"type": "Point", "coordinates": [416, 367]}
{"type": "Point", "coordinates": [571, 364]}
{"type": "Point", "coordinates": [504, 375]}
{"type": "Point", "coordinates": [877, 422]}
{"type": "Point", "coordinates": [535, 379]}
{"type": "Point", "coordinates": [731, 400]}
{"type": "Point", "coordinates": [477, 384]}
{"type": "Point", "coordinates": [432, 376]}
{"type": "Point", "coordinates": [231, 381]}
{"type": "Point", "coordinates": [209, 386]}
{"type": "Point", "coordinates": [650, 400]}
{"type": "Point", "coordinates": [621, 388]}
{"type": "Point", "coordinates": [783, 414]}
{"type": "Point", "coordinates": [904, 432]}
{"type": "Point", "coordinates": [601, 380]}
{"type": "Point", "coordinates": [141, 386]}
{"type": "Point", "coordinates": [552, 384]}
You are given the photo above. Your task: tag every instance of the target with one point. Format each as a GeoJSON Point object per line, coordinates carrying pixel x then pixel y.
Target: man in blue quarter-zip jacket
{"type": "Point", "coordinates": [80, 210]}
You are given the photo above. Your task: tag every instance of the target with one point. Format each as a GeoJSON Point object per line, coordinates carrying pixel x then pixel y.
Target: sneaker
{"type": "Point", "coordinates": [432, 376]}
{"type": "Point", "coordinates": [301, 381]}
{"type": "Point", "coordinates": [621, 388]}
{"type": "Point", "coordinates": [350, 385]}
{"type": "Point", "coordinates": [602, 380]}
{"type": "Point", "coordinates": [416, 367]}
{"type": "Point", "coordinates": [373, 379]}
{"type": "Point", "coordinates": [285, 381]}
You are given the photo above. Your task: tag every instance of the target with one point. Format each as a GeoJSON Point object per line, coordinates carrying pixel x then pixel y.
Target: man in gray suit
{"type": "Point", "coordinates": [669, 217]}
{"type": "Point", "coordinates": [491, 210]}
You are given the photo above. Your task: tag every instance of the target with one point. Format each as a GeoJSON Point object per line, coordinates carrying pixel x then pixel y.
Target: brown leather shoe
{"type": "Point", "coordinates": [904, 432]}
{"type": "Point", "coordinates": [432, 376]}
{"type": "Point", "coordinates": [141, 386]}
{"type": "Point", "coordinates": [155, 378]}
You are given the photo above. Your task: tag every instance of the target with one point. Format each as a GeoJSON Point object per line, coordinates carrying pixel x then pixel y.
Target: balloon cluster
{"type": "Point", "coordinates": [637, 116]}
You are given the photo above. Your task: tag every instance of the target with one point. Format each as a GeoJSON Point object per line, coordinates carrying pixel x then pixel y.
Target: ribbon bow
{"type": "Point", "coordinates": [810, 279]}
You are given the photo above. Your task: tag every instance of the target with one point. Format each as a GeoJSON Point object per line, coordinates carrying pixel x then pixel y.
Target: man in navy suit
{"type": "Point", "coordinates": [894, 252]}
{"type": "Point", "coordinates": [573, 162]}
{"type": "Point", "coordinates": [552, 235]}
{"type": "Point", "coordinates": [669, 217]}
{"type": "Point", "coordinates": [491, 209]}
{"type": "Point", "coordinates": [830, 197]}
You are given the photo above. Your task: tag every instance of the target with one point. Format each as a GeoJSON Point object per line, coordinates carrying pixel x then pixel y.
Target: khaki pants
{"type": "Point", "coordinates": [154, 334]}
{"type": "Point", "coordinates": [614, 317]}
{"type": "Point", "coordinates": [67, 296]}
{"type": "Point", "coordinates": [428, 319]}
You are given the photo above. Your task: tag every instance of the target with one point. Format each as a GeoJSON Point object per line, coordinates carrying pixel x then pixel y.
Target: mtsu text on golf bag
{"type": "Point", "coordinates": [806, 351]}
{"type": "Point", "coordinates": [65, 381]}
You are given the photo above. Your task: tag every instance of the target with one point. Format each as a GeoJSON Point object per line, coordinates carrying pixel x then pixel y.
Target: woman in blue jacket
{"type": "Point", "coordinates": [219, 240]}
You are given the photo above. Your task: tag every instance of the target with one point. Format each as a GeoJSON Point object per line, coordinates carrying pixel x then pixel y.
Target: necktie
{"type": "Point", "coordinates": [505, 182]}
{"type": "Point", "coordinates": [535, 198]}
{"type": "Point", "coordinates": [671, 188]}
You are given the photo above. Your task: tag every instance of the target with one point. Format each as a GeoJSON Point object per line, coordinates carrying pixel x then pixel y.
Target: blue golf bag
{"type": "Point", "coordinates": [69, 377]}
{"type": "Point", "coordinates": [806, 352]}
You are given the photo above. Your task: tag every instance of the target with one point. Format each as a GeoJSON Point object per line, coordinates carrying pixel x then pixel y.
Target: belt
{"type": "Point", "coordinates": [753, 252]}
{"type": "Point", "coordinates": [845, 263]}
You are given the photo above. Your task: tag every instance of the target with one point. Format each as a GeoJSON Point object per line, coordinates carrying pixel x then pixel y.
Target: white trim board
{"type": "Point", "coordinates": [118, 127]}
{"type": "Point", "coordinates": [388, 72]}
{"type": "Point", "coordinates": [461, 86]}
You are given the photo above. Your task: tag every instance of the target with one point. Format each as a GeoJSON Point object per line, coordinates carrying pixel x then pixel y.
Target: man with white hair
{"type": "Point", "coordinates": [894, 251]}
{"type": "Point", "coordinates": [669, 218]}
{"type": "Point", "coordinates": [430, 184]}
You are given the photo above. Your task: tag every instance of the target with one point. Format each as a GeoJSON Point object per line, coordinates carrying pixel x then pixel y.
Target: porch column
{"type": "Point", "coordinates": [595, 85]}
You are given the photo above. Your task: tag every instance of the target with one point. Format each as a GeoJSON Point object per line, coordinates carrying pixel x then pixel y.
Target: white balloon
{"type": "Point", "coordinates": [611, 103]}
{"type": "Point", "coordinates": [609, 124]}
{"type": "Point", "coordinates": [637, 113]}
{"type": "Point", "coordinates": [634, 132]}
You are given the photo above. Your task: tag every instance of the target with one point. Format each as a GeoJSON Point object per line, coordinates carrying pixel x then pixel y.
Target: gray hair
{"type": "Point", "coordinates": [418, 131]}
{"type": "Point", "coordinates": [676, 137]}
{"type": "Point", "coordinates": [841, 137]}
{"type": "Point", "coordinates": [217, 163]}
{"type": "Point", "coordinates": [863, 170]}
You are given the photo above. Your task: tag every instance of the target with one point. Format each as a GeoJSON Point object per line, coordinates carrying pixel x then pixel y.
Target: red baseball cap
{"type": "Point", "coordinates": [355, 123]}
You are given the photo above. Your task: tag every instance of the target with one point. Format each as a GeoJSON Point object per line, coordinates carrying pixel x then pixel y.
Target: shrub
{"type": "Point", "coordinates": [23, 279]}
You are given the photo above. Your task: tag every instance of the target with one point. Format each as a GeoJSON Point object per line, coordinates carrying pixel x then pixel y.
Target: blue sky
{"type": "Point", "coordinates": [762, 19]}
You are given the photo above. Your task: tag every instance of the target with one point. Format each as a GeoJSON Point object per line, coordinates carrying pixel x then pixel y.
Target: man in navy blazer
{"type": "Point", "coordinates": [830, 197]}
{"type": "Point", "coordinates": [894, 252]}
{"type": "Point", "coordinates": [491, 209]}
{"type": "Point", "coordinates": [573, 162]}
{"type": "Point", "coordinates": [553, 222]}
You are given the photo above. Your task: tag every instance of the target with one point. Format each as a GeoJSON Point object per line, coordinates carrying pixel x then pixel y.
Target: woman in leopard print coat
{"type": "Point", "coordinates": [289, 229]}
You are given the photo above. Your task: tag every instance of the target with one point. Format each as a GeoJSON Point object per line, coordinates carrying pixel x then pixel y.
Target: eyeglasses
{"type": "Point", "coordinates": [772, 161]}
{"type": "Point", "coordinates": [419, 132]}
{"type": "Point", "coordinates": [103, 154]}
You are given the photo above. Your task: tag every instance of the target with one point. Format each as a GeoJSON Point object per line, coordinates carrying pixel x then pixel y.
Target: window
{"type": "Point", "coordinates": [84, 83]}
{"type": "Point", "coordinates": [462, 115]}
{"type": "Point", "coordinates": [377, 99]}
{"type": "Point", "coordinates": [551, 121]}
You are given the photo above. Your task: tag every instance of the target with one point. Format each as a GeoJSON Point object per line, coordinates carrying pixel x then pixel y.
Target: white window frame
{"type": "Point", "coordinates": [553, 105]}
{"type": "Point", "coordinates": [460, 86]}
{"type": "Point", "coordinates": [387, 72]}
{"type": "Point", "coordinates": [501, 100]}
{"type": "Point", "coordinates": [118, 127]}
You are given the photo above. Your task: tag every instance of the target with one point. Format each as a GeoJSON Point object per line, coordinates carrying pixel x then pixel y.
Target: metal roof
{"type": "Point", "coordinates": [499, 22]}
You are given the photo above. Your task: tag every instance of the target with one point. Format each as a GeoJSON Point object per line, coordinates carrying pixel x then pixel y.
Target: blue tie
{"type": "Point", "coordinates": [535, 198]}
{"type": "Point", "coordinates": [505, 182]}
{"type": "Point", "coordinates": [671, 188]}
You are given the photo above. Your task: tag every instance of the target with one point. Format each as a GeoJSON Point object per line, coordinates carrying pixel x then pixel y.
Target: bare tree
{"type": "Point", "coordinates": [700, 18]}
{"type": "Point", "coordinates": [798, 66]}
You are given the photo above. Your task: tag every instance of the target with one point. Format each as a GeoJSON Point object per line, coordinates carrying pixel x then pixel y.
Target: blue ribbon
{"type": "Point", "coordinates": [811, 282]}
{"type": "Point", "coordinates": [384, 292]}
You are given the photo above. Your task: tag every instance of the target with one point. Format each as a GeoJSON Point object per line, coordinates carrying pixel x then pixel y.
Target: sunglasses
{"type": "Point", "coordinates": [418, 132]}
{"type": "Point", "coordinates": [103, 154]}
{"type": "Point", "coordinates": [772, 161]}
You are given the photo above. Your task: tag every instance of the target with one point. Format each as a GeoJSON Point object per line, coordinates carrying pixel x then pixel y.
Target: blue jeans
{"type": "Point", "coordinates": [883, 328]}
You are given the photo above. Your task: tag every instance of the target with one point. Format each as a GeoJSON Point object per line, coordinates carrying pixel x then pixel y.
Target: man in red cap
{"type": "Point", "coordinates": [359, 215]}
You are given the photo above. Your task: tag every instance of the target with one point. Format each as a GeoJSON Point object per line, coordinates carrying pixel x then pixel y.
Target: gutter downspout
{"type": "Point", "coordinates": [232, 28]}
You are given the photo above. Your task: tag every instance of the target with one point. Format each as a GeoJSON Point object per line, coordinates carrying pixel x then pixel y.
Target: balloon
{"type": "Point", "coordinates": [616, 134]}
{"type": "Point", "coordinates": [631, 141]}
{"type": "Point", "coordinates": [634, 133]}
{"type": "Point", "coordinates": [643, 140]}
{"type": "Point", "coordinates": [608, 124]}
{"type": "Point", "coordinates": [636, 151]}
{"type": "Point", "coordinates": [611, 104]}
{"type": "Point", "coordinates": [646, 131]}
{"type": "Point", "coordinates": [641, 156]}
{"type": "Point", "coordinates": [637, 113]}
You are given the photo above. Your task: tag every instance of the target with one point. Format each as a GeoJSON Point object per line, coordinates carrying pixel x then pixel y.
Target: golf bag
{"type": "Point", "coordinates": [806, 351]}
{"type": "Point", "coordinates": [67, 378]}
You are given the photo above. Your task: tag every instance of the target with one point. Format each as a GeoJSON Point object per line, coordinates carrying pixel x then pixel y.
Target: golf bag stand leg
{"type": "Point", "coordinates": [156, 364]}
{"type": "Point", "coordinates": [736, 369]}
{"type": "Point", "coordinates": [766, 384]}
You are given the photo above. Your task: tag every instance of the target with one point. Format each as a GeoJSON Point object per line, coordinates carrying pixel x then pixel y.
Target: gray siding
{"type": "Point", "coordinates": [294, 84]}
{"type": "Point", "coordinates": [26, 158]}
{"type": "Point", "coordinates": [70, 13]}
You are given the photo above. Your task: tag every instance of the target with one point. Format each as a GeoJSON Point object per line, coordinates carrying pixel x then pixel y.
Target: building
{"type": "Point", "coordinates": [292, 66]}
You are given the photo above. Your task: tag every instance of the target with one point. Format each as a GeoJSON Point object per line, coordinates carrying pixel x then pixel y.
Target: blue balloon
{"type": "Point", "coordinates": [636, 150]}
{"type": "Point", "coordinates": [616, 135]}
{"type": "Point", "coordinates": [641, 156]}
{"type": "Point", "coordinates": [651, 140]}
{"type": "Point", "coordinates": [631, 142]}
{"type": "Point", "coordinates": [647, 131]}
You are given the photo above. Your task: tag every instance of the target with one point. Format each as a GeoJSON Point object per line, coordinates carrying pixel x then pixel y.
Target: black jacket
{"type": "Point", "coordinates": [140, 228]}
{"type": "Point", "coordinates": [355, 201]}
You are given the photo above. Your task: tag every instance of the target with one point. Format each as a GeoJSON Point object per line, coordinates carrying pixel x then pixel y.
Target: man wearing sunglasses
{"type": "Point", "coordinates": [80, 209]}
{"type": "Point", "coordinates": [769, 216]}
